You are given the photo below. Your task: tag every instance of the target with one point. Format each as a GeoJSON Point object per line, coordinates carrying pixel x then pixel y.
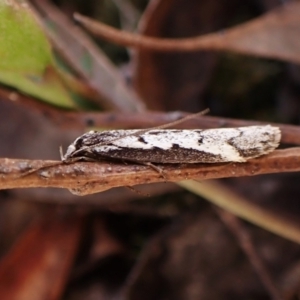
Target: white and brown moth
{"type": "Point", "coordinates": [175, 146]}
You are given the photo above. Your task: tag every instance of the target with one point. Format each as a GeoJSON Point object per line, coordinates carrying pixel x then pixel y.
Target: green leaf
{"type": "Point", "coordinates": [26, 60]}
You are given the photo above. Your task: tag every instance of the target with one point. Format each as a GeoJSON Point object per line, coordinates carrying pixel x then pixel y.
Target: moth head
{"type": "Point", "coordinates": [78, 147]}
{"type": "Point", "coordinates": [66, 158]}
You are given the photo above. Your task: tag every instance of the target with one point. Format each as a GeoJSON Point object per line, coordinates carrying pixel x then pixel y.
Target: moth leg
{"type": "Point", "coordinates": [156, 168]}
{"type": "Point", "coordinates": [148, 164]}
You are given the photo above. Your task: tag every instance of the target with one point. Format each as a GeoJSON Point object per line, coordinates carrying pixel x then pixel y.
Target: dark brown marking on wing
{"type": "Point", "coordinates": [142, 140]}
{"type": "Point", "coordinates": [158, 155]}
{"type": "Point", "coordinates": [200, 141]}
{"type": "Point", "coordinates": [248, 152]}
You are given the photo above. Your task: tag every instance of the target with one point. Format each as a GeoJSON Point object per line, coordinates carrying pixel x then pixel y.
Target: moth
{"type": "Point", "coordinates": [175, 146]}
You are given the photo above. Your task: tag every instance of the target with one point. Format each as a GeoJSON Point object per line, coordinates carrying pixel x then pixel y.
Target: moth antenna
{"type": "Point", "coordinates": [192, 116]}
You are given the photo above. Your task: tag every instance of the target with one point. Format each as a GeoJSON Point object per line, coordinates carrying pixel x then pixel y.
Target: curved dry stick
{"type": "Point", "coordinates": [282, 22]}
{"type": "Point", "coordinates": [84, 178]}
{"type": "Point", "coordinates": [209, 41]}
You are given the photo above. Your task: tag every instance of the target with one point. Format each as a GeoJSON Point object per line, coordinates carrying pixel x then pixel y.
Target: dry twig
{"type": "Point", "coordinates": [87, 177]}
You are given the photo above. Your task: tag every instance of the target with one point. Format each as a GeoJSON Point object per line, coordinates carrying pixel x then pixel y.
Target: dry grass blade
{"type": "Point", "coordinates": [77, 49]}
{"type": "Point", "coordinates": [227, 199]}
